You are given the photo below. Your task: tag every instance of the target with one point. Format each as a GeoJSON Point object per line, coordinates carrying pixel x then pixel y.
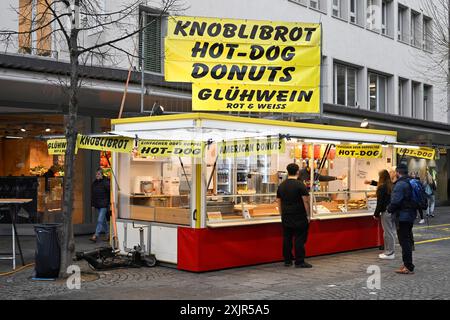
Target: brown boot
{"type": "Point", "coordinates": [93, 238]}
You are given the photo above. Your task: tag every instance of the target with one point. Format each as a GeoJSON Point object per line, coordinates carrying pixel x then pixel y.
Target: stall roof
{"type": "Point", "coordinates": [214, 127]}
{"type": "Point", "coordinates": [253, 121]}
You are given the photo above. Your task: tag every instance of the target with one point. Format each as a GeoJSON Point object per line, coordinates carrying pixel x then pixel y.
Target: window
{"type": "Point", "coordinates": [427, 96]}
{"type": "Point", "coordinates": [336, 8]}
{"type": "Point", "coordinates": [402, 91]}
{"type": "Point", "coordinates": [384, 17]}
{"type": "Point", "coordinates": [414, 100]}
{"type": "Point", "coordinates": [402, 23]}
{"type": "Point", "coordinates": [320, 5]}
{"type": "Point", "coordinates": [353, 12]}
{"type": "Point", "coordinates": [152, 43]}
{"type": "Point", "coordinates": [314, 4]}
{"type": "Point", "coordinates": [373, 18]}
{"type": "Point", "coordinates": [302, 2]}
{"type": "Point", "coordinates": [345, 79]}
{"type": "Point", "coordinates": [414, 29]}
{"type": "Point", "coordinates": [377, 92]}
{"type": "Point", "coordinates": [427, 34]}
{"type": "Point", "coordinates": [37, 13]}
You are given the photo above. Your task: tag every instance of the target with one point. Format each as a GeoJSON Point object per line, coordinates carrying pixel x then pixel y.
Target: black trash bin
{"type": "Point", "coordinates": [48, 251]}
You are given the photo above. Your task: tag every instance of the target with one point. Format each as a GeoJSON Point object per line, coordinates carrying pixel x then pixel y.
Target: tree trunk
{"type": "Point", "coordinates": [68, 243]}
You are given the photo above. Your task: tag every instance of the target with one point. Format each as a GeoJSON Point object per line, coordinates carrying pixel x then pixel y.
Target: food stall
{"type": "Point", "coordinates": [200, 189]}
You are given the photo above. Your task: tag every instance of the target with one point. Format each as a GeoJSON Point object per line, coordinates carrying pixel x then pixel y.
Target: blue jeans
{"type": "Point", "coordinates": [102, 224]}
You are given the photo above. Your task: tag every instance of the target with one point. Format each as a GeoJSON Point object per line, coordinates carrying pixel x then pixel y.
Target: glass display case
{"type": "Point", "coordinates": [155, 189]}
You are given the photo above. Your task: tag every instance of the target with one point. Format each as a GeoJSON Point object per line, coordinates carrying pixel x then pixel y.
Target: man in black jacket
{"type": "Point", "coordinates": [100, 198]}
{"type": "Point", "coordinates": [293, 201]}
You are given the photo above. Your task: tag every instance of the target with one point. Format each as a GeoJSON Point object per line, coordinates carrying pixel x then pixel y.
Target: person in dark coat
{"type": "Point", "coordinates": [100, 197]}
{"type": "Point", "coordinates": [404, 210]}
{"type": "Point", "coordinates": [293, 203]}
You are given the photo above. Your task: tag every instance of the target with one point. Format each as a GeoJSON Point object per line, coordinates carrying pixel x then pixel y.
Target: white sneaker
{"type": "Point", "coordinates": [422, 221]}
{"type": "Point", "coordinates": [386, 257]}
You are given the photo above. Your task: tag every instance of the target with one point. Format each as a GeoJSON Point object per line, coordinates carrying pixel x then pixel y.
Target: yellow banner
{"type": "Point", "coordinates": [222, 54]}
{"type": "Point", "coordinates": [58, 146]}
{"type": "Point", "coordinates": [239, 74]}
{"type": "Point", "coordinates": [359, 151]}
{"type": "Point", "coordinates": [250, 147]}
{"type": "Point", "coordinates": [423, 153]}
{"type": "Point", "coordinates": [244, 31]}
{"type": "Point", "coordinates": [170, 148]}
{"type": "Point", "coordinates": [113, 143]}
{"type": "Point", "coordinates": [219, 53]}
{"type": "Point", "coordinates": [253, 98]}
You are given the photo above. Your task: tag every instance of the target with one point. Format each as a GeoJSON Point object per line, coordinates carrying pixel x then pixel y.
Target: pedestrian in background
{"type": "Point", "coordinates": [384, 191]}
{"type": "Point", "coordinates": [100, 198]}
{"type": "Point", "coordinates": [417, 176]}
{"type": "Point", "coordinates": [293, 202]}
{"type": "Point", "coordinates": [404, 210]}
{"type": "Point", "coordinates": [430, 188]}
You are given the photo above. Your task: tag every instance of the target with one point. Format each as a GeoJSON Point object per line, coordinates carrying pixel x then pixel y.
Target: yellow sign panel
{"type": "Point", "coordinates": [423, 153]}
{"type": "Point", "coordinates": [250, 147]}
{"type": "Point", "coordinates": [58, 146]}
{"type": "Point", "coordinates": [244, 31]}
{"type": "Point", "coordinates": [218, 52]}
{"type": "Point", "coordinates": [215, 97]}
{"type": "Point", "coordinates": [222, 54]}
{"type": "Point", "coordinates": [240, 74]}
{"type": "Point", "coordinates": [113, 143]}
{"type": "Point", "coordinates": [359, 151]}
{"type": "Point", "coordinates": [170, 148]}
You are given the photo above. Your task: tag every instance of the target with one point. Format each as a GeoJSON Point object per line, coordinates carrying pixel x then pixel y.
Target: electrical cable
{"type": "Point", "coordinates": [17, 270]}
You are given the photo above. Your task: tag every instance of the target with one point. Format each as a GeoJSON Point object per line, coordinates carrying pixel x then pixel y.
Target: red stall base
{"type": "Point", "coordinates": [213, 249]}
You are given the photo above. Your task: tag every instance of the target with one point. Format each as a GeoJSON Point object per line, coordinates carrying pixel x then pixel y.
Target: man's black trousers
{"type": "Point", "coordinates": [297, 235]}
{"type": "Point", "coordinates": [405, 238]}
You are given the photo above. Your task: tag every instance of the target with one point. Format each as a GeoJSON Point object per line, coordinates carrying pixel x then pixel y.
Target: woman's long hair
{"type": "Point", "coordinates": [385, 180]}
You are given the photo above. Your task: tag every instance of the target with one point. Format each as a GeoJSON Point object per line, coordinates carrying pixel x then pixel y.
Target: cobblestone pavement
{"type": "Point", "coordinates": [340, 276]}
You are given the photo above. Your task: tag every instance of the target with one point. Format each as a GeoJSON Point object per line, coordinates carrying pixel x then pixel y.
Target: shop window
{"type": "Point", "coordinates": [34, 15]}
{"type": "Point", "coordinates": [345, 80]}
{"type": "Point", "coordinates": [427, 34]}
{"type": "Point", "coordinates": [150, 45]}
{"type": "Point", "coordinates": [377, 92]}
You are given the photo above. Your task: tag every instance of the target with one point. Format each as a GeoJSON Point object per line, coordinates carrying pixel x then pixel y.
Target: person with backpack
{"type": "Point", "coordinates": [405, 200]}
{"type": "Point", "coordinates": [100, 198]}
{"type": "Point", "coordinates": [419, 209]}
